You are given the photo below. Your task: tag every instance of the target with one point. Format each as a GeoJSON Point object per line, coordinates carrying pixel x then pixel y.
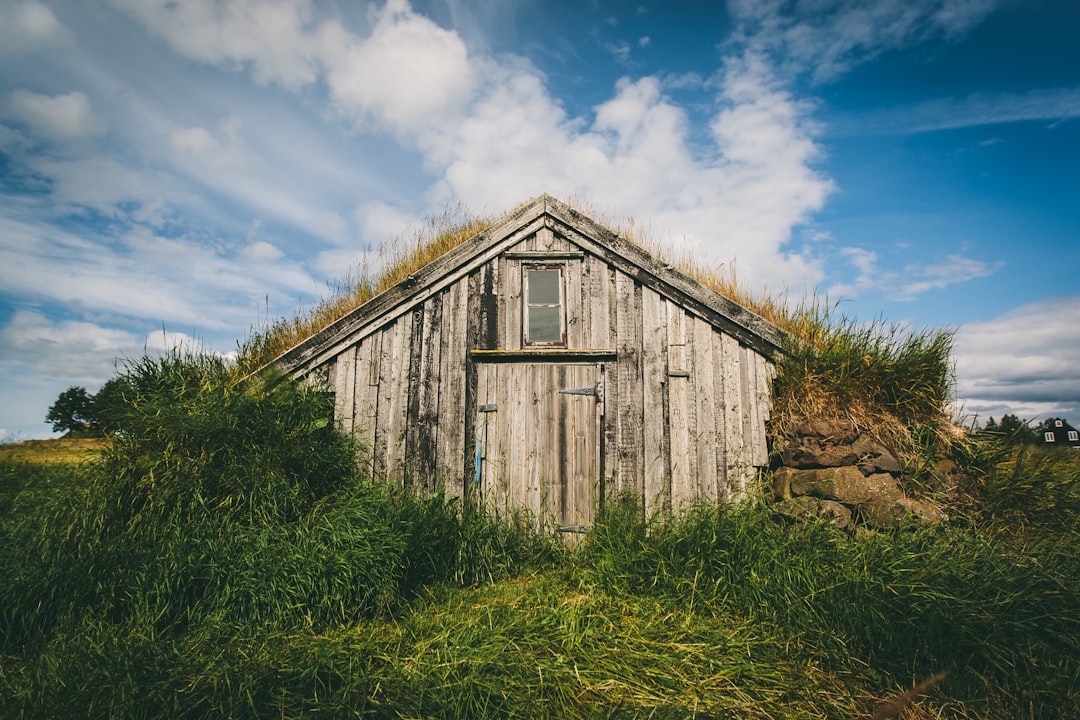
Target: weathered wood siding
{"type": "Point", "coordinates": [684, 404]}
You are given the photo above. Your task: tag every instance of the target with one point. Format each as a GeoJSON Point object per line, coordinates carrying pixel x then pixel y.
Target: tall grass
{"type": "Point", "coordinates": [1002, 617]}
{"type": "Point", "coordinates": [237, 508]}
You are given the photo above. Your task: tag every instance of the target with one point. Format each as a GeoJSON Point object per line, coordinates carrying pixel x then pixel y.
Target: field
{"type": "Point", "coordinates": [60, 450]}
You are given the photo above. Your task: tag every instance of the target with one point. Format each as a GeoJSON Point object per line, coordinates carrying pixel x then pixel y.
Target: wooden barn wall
{"type": "Point", "coordinates": [686, 404]}
{"type": "Point", "coordinates": [401, 391]}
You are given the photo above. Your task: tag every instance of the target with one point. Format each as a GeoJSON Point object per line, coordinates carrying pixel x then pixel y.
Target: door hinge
{"type": "Point", "coordinates": [596, 391]}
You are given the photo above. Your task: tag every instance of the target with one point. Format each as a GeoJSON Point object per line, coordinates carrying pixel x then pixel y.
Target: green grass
{"type": "Point", "coordinates": [225, 557]}
{"type": "Point", "coordinates": [64, 451]}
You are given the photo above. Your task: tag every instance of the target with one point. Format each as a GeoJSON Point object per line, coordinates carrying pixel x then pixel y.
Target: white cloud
{"type": "Point", "coordinates": [146, 277]}
{"type": "Point", "coordinates": [27, 26]}
{"type": "Point", "coordinates": [271, 37]}
{"type": "Point", "coordinates": [69, 349]}
{"type": "Point", "coordinates": [913, 280]}
{"type": "Point", "coordinates": [1023, 362]}
{"type": "Point", "coordinates": [59, 117]}
{"type": "Point", "coordinates": [740, 198]}
{"type": "Point", "coordinates": [409, 73]}
{"type": "Point", "coordinates": [826, 38]}
{"type": "Point", "coordinates": [489, 129]}
{"type": "Point", "coordinates": [261, 251]}
{"type": "Point", "coordinates": [225, 163]}
{"type": "Point", "coordinates": [195, 146]}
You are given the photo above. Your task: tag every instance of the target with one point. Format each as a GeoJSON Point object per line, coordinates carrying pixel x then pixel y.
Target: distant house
{"type": "Point", "coordinates": [1057, 432]}
{"type": "Point", "coordinates": [547, 363]}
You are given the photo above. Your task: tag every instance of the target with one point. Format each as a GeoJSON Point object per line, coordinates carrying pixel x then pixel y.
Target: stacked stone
{"type": "Point", "coordinates": [832, 471]}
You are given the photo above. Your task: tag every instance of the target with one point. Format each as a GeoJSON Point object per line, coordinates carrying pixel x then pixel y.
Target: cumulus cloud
{"type": "Point", "coordinates": [493, 134]}
{"type": "Point", "coordinates": [408, 73]}
{"type": "Point", "coordinates": [59, 117]}
{"type": "Point", "coordinates": [1023, 362]}
{"type": "Point", "coordinates": [741, 199]}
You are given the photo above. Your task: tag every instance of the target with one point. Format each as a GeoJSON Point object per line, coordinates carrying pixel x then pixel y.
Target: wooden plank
{"type": "Point", "coordinates": [682, 481]}
{"type": "Point", "coordinates": [423, 453]}
{"type": "Point", "coordinates": [705, 418]}
{"type": "Point", "coordinates": [510, 305]}
{"type": "Point", "coordinates": [757, 422]}
{"type": "Point", "coordinates": [573, 288]}
{"type": "Point", "coordinates": [750, 415]}
{"type": "Point", "coordinates": [612, 392]}
{"type": "Point", "coordinates": [366, 398]}
{"type": "Point", "coordinates": [543, 240]}
{"type": "Point", "coordinates": [589, 492]}
{"type": "Point", "coordinates": [345, 389]}
{"type": "Point", "coordinates": [513, 393]}
{"type": "Point", "coordinates": [628, 322]}
{"type": "Point", "coordinates": [412, 389]}
{"type": "Point", "coordinates": [735, 456]}
{"type": "Point", "coordinates": [654, 420]}
{"type": "Point", "coordinates": [716, 344]}
{"type": "Point", "coordinates": [453, 373]}
{"type": "Point", "coordinates": [398, 395]}
{"type": "Point", "coordinates": [388, 341]}
{"type": "Point", "coordinates": [544, 454]}
{"type": "Point", "coordinates": [485, 439]}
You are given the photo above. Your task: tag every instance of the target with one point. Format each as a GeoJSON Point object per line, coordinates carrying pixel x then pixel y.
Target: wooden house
{"type": "Point", "coordinates": [547, 363]}
{"type": "Point", "coordinates": [1058, 433]}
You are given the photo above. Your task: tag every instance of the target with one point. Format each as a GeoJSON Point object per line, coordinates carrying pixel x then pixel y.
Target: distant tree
{"type": "Point", "coordinates": [72, 410]}
{"type": "Point", "coordinates": [108, 405]}
{"type": "Point", "coordinates": [1013, 429]}
{"type": "Point", "coordinates": [991, 425]}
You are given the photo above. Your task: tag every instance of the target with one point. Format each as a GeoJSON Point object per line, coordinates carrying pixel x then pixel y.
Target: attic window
{"type": "Point", "coordinates": [544, 316]}
{"type": "Point", "coordinates": [1058, 423]}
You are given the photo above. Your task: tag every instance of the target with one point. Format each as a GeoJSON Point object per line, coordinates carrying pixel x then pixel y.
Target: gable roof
{"type": "Point", "coordinates": [541, 212]}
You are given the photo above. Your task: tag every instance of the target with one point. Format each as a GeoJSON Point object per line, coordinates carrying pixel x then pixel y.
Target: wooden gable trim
{"type": "Point", "coordinates": [724, 314]}
{"type": "Point", "coordinates": [540, 213]}
{"type": "Point", "coordinates": [429, 280]}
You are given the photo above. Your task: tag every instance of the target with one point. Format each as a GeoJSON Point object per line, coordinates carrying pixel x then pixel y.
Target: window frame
{"type": "Point", "coordinates": [526, 305]}
{"type": "Point", "coordinates": [1048, 437]}
{"type": "Point", "coordinates": [1074, 436]}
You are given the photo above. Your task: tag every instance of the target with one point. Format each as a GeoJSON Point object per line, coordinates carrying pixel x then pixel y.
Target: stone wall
{"type": "Point", "coordinates": [831, 470]}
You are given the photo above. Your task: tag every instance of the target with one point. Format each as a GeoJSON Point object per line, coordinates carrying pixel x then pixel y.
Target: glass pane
{"type": "Point", "coordinates": [544, 287]}
{"type": "Point", "coordinates": [544, 325]}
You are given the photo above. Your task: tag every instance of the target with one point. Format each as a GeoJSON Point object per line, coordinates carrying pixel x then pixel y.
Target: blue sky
{"type": "Point", "coordinates": [177, 172]}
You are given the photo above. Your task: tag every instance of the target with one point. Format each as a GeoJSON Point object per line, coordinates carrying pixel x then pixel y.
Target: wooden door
{"type": "Point", "coordinates": [538, 445]}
